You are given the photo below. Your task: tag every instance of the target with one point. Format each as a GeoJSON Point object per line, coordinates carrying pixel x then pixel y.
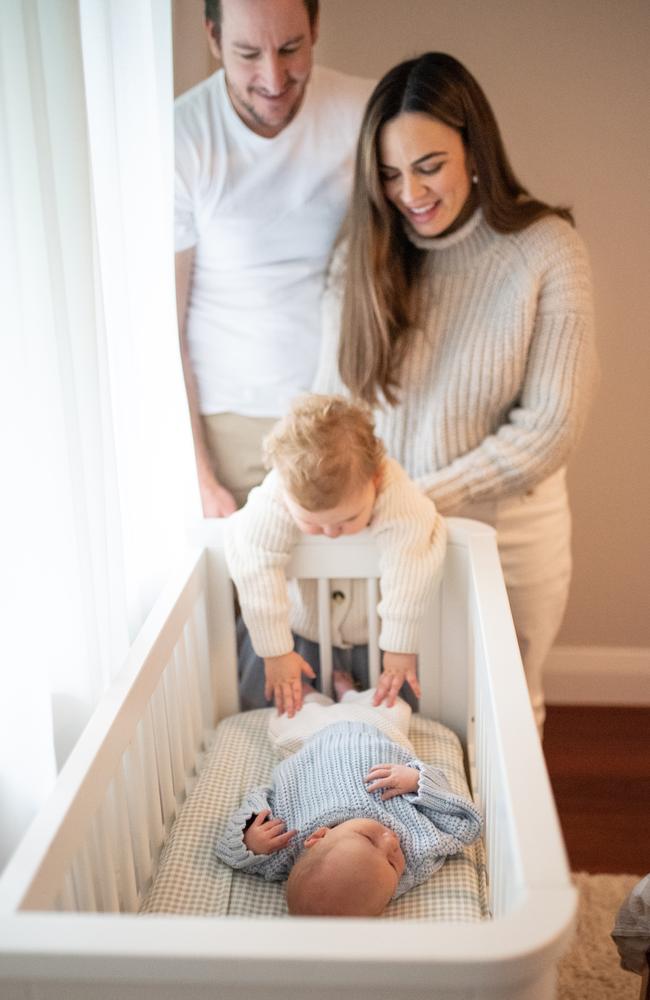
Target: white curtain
{"type": "Point", "coordinates": [95, 444]}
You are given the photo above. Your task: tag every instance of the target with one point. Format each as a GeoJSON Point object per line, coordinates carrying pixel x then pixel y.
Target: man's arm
{"type": "Point", "coordinates": [215, 498]}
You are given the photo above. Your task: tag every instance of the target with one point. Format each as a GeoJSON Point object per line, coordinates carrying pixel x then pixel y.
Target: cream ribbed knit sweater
{"type": "Point", "coordinates": [496, 386]}
{"type": "Point", "coordinates": [411, 537]}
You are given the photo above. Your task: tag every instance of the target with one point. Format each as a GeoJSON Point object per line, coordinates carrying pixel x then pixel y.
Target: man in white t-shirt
{"type": "Point", "coordinates": [264, 153]}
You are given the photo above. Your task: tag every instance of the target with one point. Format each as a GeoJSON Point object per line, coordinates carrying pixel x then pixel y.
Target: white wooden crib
{"type": "Point", "coordinates": [69, 896]}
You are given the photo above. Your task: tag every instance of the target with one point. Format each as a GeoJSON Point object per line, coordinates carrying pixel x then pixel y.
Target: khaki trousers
{"type": "Point", "coordinates": [234, 444]}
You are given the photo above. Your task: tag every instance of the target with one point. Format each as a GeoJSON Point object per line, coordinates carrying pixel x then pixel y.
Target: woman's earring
{"type": "Point", "coordinates": [474, 178]}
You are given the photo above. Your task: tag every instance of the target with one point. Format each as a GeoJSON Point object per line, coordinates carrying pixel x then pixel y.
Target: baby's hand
{"type": "Point", "coordinates": [265, 835]}
{"type": "Point", "coordinates": [283, 681]}
{"type": "Point", "coordinates": [396, 779]}
{"type": "Point", "coordinates": [397, 668]}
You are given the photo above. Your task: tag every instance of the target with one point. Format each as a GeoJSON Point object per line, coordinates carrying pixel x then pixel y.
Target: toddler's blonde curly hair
{"type": "Point", "coordinates": [325, 449]}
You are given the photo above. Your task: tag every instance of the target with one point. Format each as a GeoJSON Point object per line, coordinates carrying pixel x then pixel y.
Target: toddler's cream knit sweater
{"type": "Point", "coordinates": [411, 537]}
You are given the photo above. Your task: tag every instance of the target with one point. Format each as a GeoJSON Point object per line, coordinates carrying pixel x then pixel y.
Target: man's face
{"type": "Point", "coordinates": [266, 51]}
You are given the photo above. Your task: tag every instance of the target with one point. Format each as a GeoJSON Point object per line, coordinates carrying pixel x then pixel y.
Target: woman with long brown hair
{"type": "Point", "coordinates": [460, 308]}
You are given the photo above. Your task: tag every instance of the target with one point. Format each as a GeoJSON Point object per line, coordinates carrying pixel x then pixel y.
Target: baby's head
{"type": "Point", "coordinates": [349, 870]}
{"type": "Point", "coordinates": [329, 462]}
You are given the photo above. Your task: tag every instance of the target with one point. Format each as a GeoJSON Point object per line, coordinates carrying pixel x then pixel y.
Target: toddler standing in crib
{"type": "Point", "coordinates": [367, 820]}
{"type": "Point", "coordinates": [330, 476]}
{"type": "Point", "coordinates": [351, 816]}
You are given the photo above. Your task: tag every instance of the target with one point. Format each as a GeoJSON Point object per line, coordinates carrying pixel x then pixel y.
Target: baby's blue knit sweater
{"type": "Point", "coordinates": [323, 785]}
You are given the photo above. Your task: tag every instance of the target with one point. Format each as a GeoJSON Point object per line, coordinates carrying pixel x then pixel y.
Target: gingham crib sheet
{"type": "Point", "coordinates": [191, 880]}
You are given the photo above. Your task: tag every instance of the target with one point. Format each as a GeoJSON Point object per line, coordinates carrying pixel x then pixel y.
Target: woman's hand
{"type": "Point", "coordinates": [397, 669]}
{"type": "Point", "coordinates": [394, 779]}
{"type": "Point", "coordinates": [266, 835]}
{"type": "Point", "coordinates": [283, 681]}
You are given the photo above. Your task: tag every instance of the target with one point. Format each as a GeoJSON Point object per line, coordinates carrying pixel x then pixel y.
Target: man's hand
{"type": "Point", "coordinates": [283, 681]}
{"type": "Point", "coordinates": [395, 779]}
{"type": "Point", "coordinates": [216, 500]}
{"type": "Point", "coordinates": [397, 669]}
{"type": "Point", "coordinates": [266, 835]}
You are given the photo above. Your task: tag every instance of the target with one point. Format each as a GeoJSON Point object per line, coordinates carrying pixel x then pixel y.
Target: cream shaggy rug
{"type": "Point", "coordinates": [591, 969]}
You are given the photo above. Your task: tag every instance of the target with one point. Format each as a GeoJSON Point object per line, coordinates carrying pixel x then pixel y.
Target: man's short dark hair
{"type": "Point", "coordinates": [213, 12]}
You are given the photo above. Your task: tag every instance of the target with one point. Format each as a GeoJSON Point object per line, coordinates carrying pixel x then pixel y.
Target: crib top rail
{"type": "Point", "coordinates": [258, 954]}
{"type": "Point", "coordinates": [351, 557]}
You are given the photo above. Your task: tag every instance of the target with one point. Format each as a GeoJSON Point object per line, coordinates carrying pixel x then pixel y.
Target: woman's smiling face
{"type": "Point", "coordinates": [424, 173]}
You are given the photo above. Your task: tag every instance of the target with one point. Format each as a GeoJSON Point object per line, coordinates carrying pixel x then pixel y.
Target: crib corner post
{"type": "Point", "coordinates": [222, 641]}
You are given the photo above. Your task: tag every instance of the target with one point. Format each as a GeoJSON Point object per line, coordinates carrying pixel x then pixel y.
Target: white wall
{"type": "Point", "coordinates": [570, 83]}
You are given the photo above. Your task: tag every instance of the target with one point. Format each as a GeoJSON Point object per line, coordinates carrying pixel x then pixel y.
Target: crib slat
{"type": "Point", "coordinates": [95, 860]}
{"type": "Point", "coordinates": [68, 894]}
{"type": "Point", "coordinates": [106, 865]}
{"type": "Point", "coordinates": [193, 663]}
{"type": "Point", "coordinates": [496, 847]}
{"type": "Point", "coordinates": [151, 784]}
{"type": "Point", "coordinates": [489, 818]}
{"type": "Point", "coordinates": [325, 636]}
{"type": "Point", "coordinates": [137, 813]}
{"type": "Point", "coordinates": [431, 659]}
{"type": "Point", "coordinates": [373, 632]}
{"type": "Point", "coordinates": [182, 688]}
{"type": "Point", "coordinates": [174, 731]}
{"type": "Point", "coordinates": [472, 697]}
{"type": "Point", "coordinates": [163, 756]}
{"type": "Point", "coordinates": [205, 697]}
{"type": "Point", "coordinates": [83, 881]}
{"type": "Point", "coordinates": [126, 864]}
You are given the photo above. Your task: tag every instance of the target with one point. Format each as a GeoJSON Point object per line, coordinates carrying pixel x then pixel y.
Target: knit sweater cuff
{"type": "Point", "coordinates": [399, 635]}
{"type": "Point", "coordinates": [456, 815]}
{"type": "Point", "coordinates": [432, 784]}
{"type": "Point", "coordinates": [269, 637]}
{"type": "Point", "coordinates": [230, 847]}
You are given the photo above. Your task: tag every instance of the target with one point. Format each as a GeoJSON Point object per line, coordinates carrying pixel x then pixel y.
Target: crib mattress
{"type": "Point", "coordinates": [191, 880]}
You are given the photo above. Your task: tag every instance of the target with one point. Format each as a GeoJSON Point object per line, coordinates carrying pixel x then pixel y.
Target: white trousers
{"type": "Point", "coordinates": [534, 542]}
{"type": "Point", "coordinates": [288, 735]}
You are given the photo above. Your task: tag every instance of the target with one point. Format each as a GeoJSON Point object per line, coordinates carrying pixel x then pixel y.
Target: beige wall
{"type": "Point", "coordinates": [570, 83]}
{"type": "Point", "coordinates": [192, 59]}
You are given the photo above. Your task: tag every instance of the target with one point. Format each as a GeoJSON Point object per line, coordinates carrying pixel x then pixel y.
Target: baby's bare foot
{"type": "Point", "coordinates": [342, 682]}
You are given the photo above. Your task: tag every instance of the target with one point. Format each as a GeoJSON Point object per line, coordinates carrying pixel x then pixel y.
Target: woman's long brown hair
{"type": "Point", "coordinates": [382, 300]}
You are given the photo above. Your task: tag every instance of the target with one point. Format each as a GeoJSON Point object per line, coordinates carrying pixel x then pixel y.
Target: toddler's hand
{"type": "Point", "coordinates": [396, 779]}
{"type": "Point", "coordinates": [283, 676]}
{"type": "Point", "coordinates": [397, 669]}
{"type": "Point", "coordinates": [266, 835]}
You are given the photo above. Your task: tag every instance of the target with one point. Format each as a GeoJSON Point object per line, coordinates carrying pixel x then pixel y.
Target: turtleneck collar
{"type": "Point", "coordinates": [458, 248]}
{"type": "Point", "coordinates": [443, 242]}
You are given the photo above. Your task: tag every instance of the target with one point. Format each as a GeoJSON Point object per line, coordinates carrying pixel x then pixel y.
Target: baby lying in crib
{"type": "Point", "coordinates": [352, 817]}
{"type": "Point", "coordinates": [330, 476]}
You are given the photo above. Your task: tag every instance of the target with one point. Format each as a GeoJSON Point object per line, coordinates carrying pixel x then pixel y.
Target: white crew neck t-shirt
{"type": "Point", "coordinates": [262, 215]}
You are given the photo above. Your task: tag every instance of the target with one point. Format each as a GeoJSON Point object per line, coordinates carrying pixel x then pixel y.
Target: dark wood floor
{"type": "Point", "coordinates": [599, 762]}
